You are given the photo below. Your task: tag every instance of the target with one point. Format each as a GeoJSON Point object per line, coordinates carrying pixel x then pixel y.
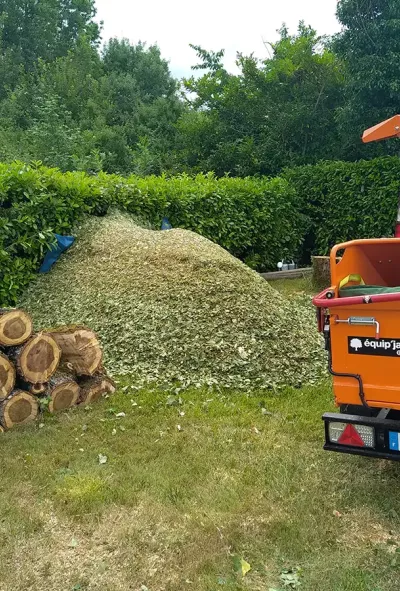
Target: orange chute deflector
{"type": "Point", "coordinates": [383, 131]}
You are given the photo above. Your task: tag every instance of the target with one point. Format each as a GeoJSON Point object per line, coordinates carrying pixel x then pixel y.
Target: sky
{"type": "Point", "coordinates": [242, 26]}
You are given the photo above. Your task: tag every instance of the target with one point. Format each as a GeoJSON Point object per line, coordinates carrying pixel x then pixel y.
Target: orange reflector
{"type": "Point", "coordinates": [351, 437]}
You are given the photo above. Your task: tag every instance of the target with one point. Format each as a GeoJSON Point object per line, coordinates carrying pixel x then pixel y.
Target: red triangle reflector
{"type": "Point", "coordinates": [350, 436]}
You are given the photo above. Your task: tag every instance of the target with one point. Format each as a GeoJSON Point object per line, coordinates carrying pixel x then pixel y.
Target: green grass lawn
{"type": "Point", "coordinates": [295, 286]}
{"type": "Point", "coordinates": [178, 508]}
{"type": "Point", "coordinates": [188, 489]}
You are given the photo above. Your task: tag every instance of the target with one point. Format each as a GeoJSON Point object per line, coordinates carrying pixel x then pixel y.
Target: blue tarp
{"type": "Point", "coordinates": [166, 225]}
{"type": "Point", "coordinates": [63, 244]}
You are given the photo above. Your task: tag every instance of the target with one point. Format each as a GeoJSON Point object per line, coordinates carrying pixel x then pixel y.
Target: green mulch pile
{"type": "Point", "coordinates": [174, 309]}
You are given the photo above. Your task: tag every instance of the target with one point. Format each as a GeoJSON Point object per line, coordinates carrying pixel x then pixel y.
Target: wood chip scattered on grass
{"type": "Point", "coordinates": [174, 309]}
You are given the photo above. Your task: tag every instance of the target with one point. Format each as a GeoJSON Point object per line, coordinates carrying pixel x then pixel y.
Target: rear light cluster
{"type": "Point", "coordinates": [351, 435]}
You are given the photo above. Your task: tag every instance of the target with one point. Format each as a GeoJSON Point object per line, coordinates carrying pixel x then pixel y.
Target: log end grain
{"type": "Point", "coordinates": [38, 359]}
{"type": "Point", "coordinates": [37, 389]}
{"type": "Point", "coordinates": [64, 396]}
{"type": "Point", "coordinates": [18, 409]}
{"type": "Point", "coordinates": [15, 327]}
{"type": "Point", "coordinates": [7, 376]}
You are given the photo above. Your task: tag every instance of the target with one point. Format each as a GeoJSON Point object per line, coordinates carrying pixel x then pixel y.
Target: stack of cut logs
{"type": "Point", "coordinates": [62, 366]}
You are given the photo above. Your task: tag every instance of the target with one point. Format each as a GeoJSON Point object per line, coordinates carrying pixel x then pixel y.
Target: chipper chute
{"type": "Point", "coordinates": [359, 316]}
{"type": "Point", "coordinates": [383, 131]}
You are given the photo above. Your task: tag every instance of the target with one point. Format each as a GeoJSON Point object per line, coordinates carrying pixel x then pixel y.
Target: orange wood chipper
{"type": "Point", "coordinates": [359, 316]}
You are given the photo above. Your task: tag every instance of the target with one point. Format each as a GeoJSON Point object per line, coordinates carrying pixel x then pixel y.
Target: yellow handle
{"type": "Point", "coordinates": [351, 279]}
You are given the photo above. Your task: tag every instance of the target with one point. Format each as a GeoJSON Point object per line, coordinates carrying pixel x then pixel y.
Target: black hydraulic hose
{"type": "Point", "coordinates": [336, 374]}
{"type": "Point", "coordinates": [349, 375]}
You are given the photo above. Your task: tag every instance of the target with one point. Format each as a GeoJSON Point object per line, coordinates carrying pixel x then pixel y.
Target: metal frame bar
{"type": "Point", "coordinates": [321, 301]}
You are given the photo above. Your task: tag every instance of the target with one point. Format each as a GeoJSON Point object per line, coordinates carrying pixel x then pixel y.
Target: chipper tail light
{"type": "Point", "coordinates": [352, 435]}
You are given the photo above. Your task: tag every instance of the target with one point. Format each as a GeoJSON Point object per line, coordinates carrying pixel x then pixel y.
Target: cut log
{"type": "Point", "coordinates": [37, 360]}
{"type": "Point", "coordinates": [18, 409]}
{"type": "Point", "coordinates": [35, 389]}
{"type": "Point", "coordinates": [15, 327]}
{"type": "Point", "coordinates": [63, 392]}
{"type": "Point", "coordinates": [7, 376]}
{"type": "Point", "coordinates": [80, 349]}
{"type": "Point", "coordinates": [92, 389]}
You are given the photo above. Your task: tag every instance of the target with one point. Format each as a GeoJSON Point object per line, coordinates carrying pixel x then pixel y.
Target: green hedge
{"type": "Point", "coordinates": [256, 220]}
{"type": "Point", "coordinates": [347, 200]}
{"type": "Point", "coordinates": [308, 210]}
{"type": "Point", "coordinates": [34, 204]}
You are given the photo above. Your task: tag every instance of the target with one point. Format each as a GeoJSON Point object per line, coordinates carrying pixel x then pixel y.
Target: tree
{"type": "Point", "coordinates": [52, 137]}
{"type": "Point", "coordinates": [77, 79]}
{"type": "Point", "coordinates": [370, 47]}
{"type": "Point", "coordinates": [143, 106]}
{"type": "Point", "coordinates": [83, 110]}
{"type": "Point", "coordinates": [277, 112]}
{"type": "Point", "coordinates": [47, 29]}
{"type": "Point", "coordinates": [305, 87]}
{"type": "Point", "coordinates": [53, 111]}
{"type": "Point", "coordinates": [145, 65]}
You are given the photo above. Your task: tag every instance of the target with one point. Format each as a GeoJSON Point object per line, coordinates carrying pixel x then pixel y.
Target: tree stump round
{"type": "Point", "coordinates": [18, 409]}
{"type": "Point", "coordinates": [63, 391]}
{"type": "Point", "coordinates": [7, 376]}
{"type": "Point", "coordinates": [37, 389]}
{"type": "Point", "coordinates": [38, 359]}
{"type": "Point", "coordinates": [15, 327]}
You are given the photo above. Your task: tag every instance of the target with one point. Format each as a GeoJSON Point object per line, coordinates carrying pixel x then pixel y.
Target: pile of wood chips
{"type": "Point", "coordinates": [176, 311]}
{"type": "Point", "coordinates": [57, 368]}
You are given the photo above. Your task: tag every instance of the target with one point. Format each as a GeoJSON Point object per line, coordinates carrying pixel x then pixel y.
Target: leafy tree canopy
{"type": "Point", "coordinates": [274, 113]}
{"type": "Point", "coordinates": [370, 48]}
{"type": "Point", "coordinates": [69, 102]}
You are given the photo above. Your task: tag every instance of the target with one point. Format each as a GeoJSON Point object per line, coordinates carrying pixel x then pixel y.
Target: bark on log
{"type": "Point", "coordinates": [15, 327]}
{"type": "Point", "coordinates": [80, 349]}
{"type": "Point", "coordinates": [7, 376]}
{"type": "Point", "coordinates": [37, 360]}
{"type": "Point", "coordinates": [92, 389]}
{"type": "Point", "coordinates": [18, 409]}
{"type": "Point", "coordinates": [63, 391]}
